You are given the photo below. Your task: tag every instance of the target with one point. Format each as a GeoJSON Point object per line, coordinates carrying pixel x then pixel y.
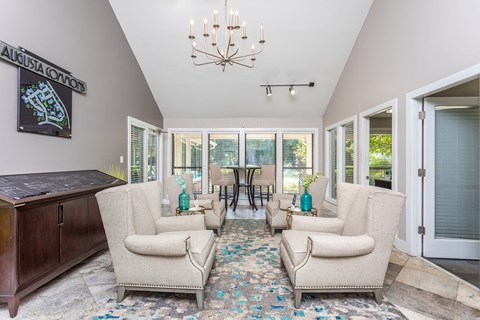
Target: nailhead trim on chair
{"type": "Point", "coordinates": [338, 287]}
{"type": "Point", "coordinates": [155, 286]}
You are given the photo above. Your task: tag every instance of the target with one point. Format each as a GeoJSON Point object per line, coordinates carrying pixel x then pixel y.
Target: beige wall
{"type": "Point", "coordinates": [85, 38]}
{"type": "Point", "coordinates": [405, 45]}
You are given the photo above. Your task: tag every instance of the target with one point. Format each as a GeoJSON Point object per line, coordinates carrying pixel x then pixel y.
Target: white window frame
{"type": "Point", "coordinates": [365, 140]}
{"type": "Point", "coordinates": [242, 131]}
{"type": "Point", "coordinates": [340, 126]}
{"type": "Point", "coordinates": [148, 128]}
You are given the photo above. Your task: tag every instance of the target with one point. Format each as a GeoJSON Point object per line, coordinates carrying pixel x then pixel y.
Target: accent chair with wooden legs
{"type": "Point", "coordinates": [276, 210]}
{"type": "Point", "coordinates": [349, 253]}
{"type": "Point", "coordinates": [215, 211]}
{"type": "Point", "coordinates": [154, 253]}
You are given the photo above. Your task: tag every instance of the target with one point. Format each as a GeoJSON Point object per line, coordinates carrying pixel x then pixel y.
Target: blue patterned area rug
{"type": "Point", "coordinates": [247, 283]}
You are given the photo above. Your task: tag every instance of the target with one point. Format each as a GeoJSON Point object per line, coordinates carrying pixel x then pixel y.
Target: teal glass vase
{"type": "Point", "coordinates": [184, 200]}
{"type": "Point", "coordinates": [306, 201]}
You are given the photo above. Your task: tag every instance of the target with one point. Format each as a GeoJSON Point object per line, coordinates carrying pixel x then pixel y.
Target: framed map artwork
{"type": "Point", "coordinates": [44, 106]}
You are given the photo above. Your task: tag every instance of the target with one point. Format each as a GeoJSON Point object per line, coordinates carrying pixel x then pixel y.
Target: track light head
{"type": "Point", "coordinates": [269, 91]}
{"type": "Point", "coordinates": [292, 90]}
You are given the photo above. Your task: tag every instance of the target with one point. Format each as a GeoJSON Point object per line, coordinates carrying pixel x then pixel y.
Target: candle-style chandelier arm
{"type": "Point", "coordinates": [227, 51]}
{"type": "Point", "coordinates": [244, 65]}
{"type": "Point", "coordinates": [248, 55]}
{"type": "Point", "coordinates": [204, 63]}
{"type": "Point", "coordinates": [204, 52]}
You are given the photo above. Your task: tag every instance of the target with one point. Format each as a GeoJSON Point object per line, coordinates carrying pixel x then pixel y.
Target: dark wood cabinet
{"type": "Point", "coordinates": [38, 241]}
{"type": "Point", "coordinates": [43, 235]}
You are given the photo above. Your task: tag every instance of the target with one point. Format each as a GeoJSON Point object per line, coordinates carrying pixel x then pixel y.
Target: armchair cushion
{"type": "Point", "coordinates": [201, 243]}
{"type": "Point", "coordinates": [284, 196]}
{"type": "Point", "coordinates": [317, 224]}
{"type": "Point", "coordinates": [285, 203]}
{"type": "Point", "coordinates": [208, 196]}
{"type": "Point", "coordinates": [182, 223]}
{"type": "Point", "coordinates": [336, 247]}
{"type": "Point", "coordinates": [169, 245]}
{"type": "Point", "coordinates": [296, 242]}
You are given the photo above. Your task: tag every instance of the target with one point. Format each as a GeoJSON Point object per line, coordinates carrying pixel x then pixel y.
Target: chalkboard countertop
{"type": "Point", "coordinates": [23, 188]}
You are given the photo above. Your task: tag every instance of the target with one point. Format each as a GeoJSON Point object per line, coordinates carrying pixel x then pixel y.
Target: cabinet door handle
{"type": "Point", "coordinates": [60, 214]}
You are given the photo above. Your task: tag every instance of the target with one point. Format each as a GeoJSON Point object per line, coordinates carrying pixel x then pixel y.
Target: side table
{"type": "Point", "coordinates": [190, 211]}
{"type": "Point", "coordinates": [298, 212]}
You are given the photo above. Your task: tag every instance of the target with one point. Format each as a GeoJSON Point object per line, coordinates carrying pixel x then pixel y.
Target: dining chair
{"type": "Point", "coordinates": [221, 180]}
{"type": "Point", "coordinates": [265, 179]}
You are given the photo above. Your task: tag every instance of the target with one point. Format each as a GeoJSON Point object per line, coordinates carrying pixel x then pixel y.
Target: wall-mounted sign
{"type": "Point", "coordinates": [30, 62]}
{"type": "Point", "coordinates": [44, 106]}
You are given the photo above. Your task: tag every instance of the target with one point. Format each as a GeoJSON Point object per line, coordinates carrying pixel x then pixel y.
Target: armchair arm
{"type": "Point", "coordinates": [182, 223]}
{"type": "Point", "coordinates": [317, 224]}
{"type": "Point", "coordinates": [168, 245]}
{"type": "Point", "coordinates": [218, 208]}
{"type": "Point", "coordinates": [341, 246]}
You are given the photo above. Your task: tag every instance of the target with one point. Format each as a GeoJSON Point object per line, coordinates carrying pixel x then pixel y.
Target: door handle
{"type": "Point", "coordinates": [60, 214]}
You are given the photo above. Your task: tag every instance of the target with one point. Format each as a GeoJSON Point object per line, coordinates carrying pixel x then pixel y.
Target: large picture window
{"type": "Point", "coordinates": [290, 150]}
{"type": "Point", "coordinates": [223, 150]}
{"type": "Point", "coordinates": [297, 159]}
{"type": "Point", "coordinates": [260, 148]}
{"type": "Point", "coordinates": [187, 156]}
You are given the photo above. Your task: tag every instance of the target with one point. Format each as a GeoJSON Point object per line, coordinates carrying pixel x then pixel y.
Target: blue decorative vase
{"type": "Point", "coordinates": [306, 201]}
{"type": "Point", "coordinates": [184, 200]}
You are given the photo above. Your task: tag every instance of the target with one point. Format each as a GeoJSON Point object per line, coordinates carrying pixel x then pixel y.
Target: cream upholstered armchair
{"type": "Point", "coordinates": [348, 253]}
{"type": "Point", "coordinates": [276, 210]}
{"type": "Point", "coordinates": [214, 210]}
{"type": "Point", "coordinates": [151, 252]}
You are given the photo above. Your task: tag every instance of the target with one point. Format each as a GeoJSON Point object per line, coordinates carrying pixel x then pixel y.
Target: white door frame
{"type": "Point", "coordinates": [365, 141]}
{"type": "Point", "coordinates": [414, 152]}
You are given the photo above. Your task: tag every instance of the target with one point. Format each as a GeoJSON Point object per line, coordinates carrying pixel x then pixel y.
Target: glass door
{"type": "Point", "coordinates": [451, 153]}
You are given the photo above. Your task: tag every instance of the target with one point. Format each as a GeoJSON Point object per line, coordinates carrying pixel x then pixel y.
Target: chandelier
{"type": "Point", "coordinates": [232, 50]}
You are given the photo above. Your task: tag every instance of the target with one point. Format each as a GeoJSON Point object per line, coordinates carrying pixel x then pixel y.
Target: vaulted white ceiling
{"type": "Point", "coordinates": [306, 41]}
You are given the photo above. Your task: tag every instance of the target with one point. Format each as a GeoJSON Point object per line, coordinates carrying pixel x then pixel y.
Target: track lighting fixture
{"type": "Point", "coordinates": [269, 91]}
{"type": "Point", "coordinates": [291, 88]}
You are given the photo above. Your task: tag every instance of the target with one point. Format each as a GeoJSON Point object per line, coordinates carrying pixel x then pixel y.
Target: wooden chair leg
{"type": "Point", "coordinates": [199, 294]}
{"type": "Point", "coordinates": [121, 292]}
{"type": "Point", "coordinates": [298, 298]}
{"type": "Point", "coordinates": [378, 295]}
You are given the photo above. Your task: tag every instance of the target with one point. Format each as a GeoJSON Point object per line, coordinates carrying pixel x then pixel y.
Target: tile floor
{"type": "Point", "coordinates": [420, 289]}
{"type": "Point", "coordinates": [468, 270]}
